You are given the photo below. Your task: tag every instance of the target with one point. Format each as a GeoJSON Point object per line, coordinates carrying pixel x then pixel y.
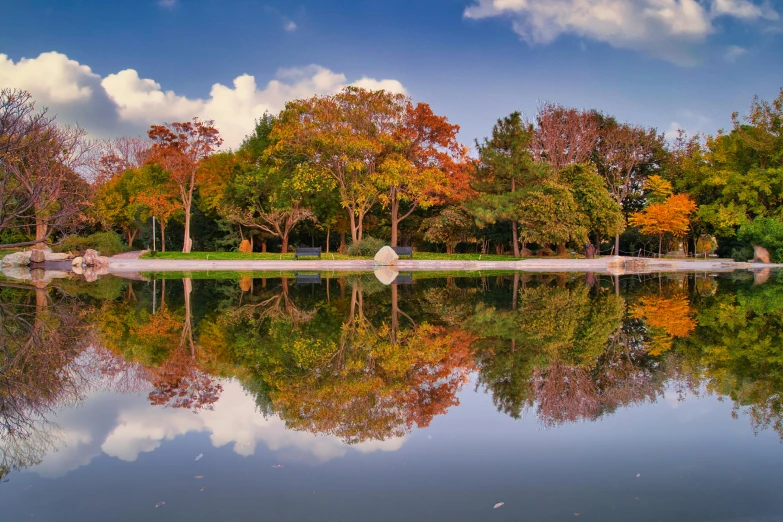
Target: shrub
{"type": "Point", "coordinates": [765, 232]}
{"type": "Point", "coordinates": [106, 243]}
{"type": "Point", "coordinates": [367, 247]}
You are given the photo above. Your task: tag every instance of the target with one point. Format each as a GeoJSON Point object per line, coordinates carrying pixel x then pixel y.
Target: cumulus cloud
{"type": "Point", "coordinates": [124, 103]}
{"type": "Point", "coordinates": [125, 426]}
{"type": "Point", "coordinates": [666, 29]}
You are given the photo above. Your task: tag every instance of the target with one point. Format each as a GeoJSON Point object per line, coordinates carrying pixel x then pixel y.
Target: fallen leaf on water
{"type": "Point", "coordinates": [199, 476]}
{"type": "Point", "coordinates": [159, 504]}
{"type": "Point", "coordinates": [198, 457]}
{"type": "Point", "coordinates": [278, 466]}
{"type": "Point", "coordinates": [498, 505]}
{"type": "Point", "coordinates": [202, 489]}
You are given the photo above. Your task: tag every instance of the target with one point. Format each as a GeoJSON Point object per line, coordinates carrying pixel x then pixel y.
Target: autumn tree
{"type": "Point", "coordinates": [565, 136]}
{"type": "Point", "coordinates": [156, 195]}
{"type": "Point", "coordinates": [424, 165]}
{"type": "Point", "coordinates": [671, 216]}
{"type": "Point", "coordinates": [179, 148]}
{"type": "Point", "coordinates": [625, 155]}
{"type": "Point", "coordinates": [450, 226]}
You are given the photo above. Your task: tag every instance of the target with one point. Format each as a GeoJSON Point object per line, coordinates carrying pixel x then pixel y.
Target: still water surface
{"type": "Point", "coordinates": [340, 399]}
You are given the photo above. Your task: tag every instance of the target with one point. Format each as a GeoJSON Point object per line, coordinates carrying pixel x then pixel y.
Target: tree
{"type": "Point", "coordinates": [45, 174]}
{"type": "Point", "coordinates": [156, 194]}
{"type": "Point", "coordinates": [549, 213]}
{"type": "Point", "coordinates": [598, 211]}
{"type": "Point", "coordinates": [672, 217]}
{"type": "Point", "coordinates": [424, 165]}
{"type": "Point", "coordinates": [505, 167]}
{"type": "Point", "coordinates": [565, 136]}
{"type": "Point", "coordinates": [179, 148]}
{"type": "Point", "coordinates": [624, 155]}
{"type": "Point", "coordinates": [451, 226]}
{"type": "Point", "coordinates": [114, 204]}
{"type": "Point", "coordinates": [344, 138]}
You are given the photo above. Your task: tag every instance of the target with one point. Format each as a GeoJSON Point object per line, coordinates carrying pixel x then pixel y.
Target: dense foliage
{"type": "Point", "coordinates": [364, 163]}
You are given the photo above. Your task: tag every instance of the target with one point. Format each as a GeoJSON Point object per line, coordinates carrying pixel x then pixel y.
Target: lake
{"type": "Point", "coordinates": [329, 397]}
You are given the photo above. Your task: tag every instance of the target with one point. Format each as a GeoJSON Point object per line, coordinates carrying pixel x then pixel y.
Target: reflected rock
{"type": "Point", "coordinates": [21, 273]}
{"type": "Point", "coordinates": [386, 274]}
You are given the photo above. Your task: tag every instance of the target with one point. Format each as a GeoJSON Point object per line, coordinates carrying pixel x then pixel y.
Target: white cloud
{"type": "Point", "coordinates": [663, 28]}
{"type": "Point", "coordinates": [289, 26]}
{"type": "Point", "coordinates": [124, 103]}
{"type": "Point", "coordinates": [167, 4]}
{"type": "Point", "coordinates": [733, 52]}
{"type": "Point", "coordinates": [124, 426]}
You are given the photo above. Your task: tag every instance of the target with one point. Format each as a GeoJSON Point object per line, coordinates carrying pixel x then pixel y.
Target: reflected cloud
{"type": "Point", "coordinates": [124, 427]}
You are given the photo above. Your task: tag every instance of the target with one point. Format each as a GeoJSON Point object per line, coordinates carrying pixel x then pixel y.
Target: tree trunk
{"type": "Point", "coordinates": [162, 236]}
{"type": "Point", "coordinates": [617, 245]}
{"type": "Point", "coordinates": [131, 237]}
{"type": "Point", "coordinates": [342, 246]}
{"type": "Point", "coordinates": [263, 246]}
{"type": "Point", "coordinates": [354, 227]}
{"type": "Point", "coordinates": [328, 232]}
{"type": "Point", "coordinates": [561, 250]}
{"type": "Point", "coordinates": [40, 229]}
{"type": "Point", "coordinates": [660, 245]}
{"type": "Point", "coordinates": [395, 210]}
{"type": "Point", "coordinates": [284, 237]}
{"type": "Point", "coordinates": [597, 244]}
{"type": "Point", "coordinates": [515, 238]}
{"type": "Point", "coordinates": [187, 244]}
{"type": "Point", "coordinates": [515, 297]}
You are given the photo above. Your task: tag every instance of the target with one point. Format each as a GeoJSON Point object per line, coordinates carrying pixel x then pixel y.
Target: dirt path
{"type": "Point", "coordinates": [133, 254]}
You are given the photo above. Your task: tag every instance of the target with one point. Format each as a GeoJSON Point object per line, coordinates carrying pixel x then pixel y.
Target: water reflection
{"type": "Point", "coordinates": [311, 365]}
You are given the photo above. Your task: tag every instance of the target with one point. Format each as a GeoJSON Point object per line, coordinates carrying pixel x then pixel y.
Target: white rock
{"type": "Point", "coordinates": [385, 257]}
{"type": "Point", "coordinates": [77, 261]}
{"type": "Point", "coordinates": [386, 274]}
{"type": "Point", "coordinates": [58, 257]}
{"type": "Point", "coordinates": [17, 259]}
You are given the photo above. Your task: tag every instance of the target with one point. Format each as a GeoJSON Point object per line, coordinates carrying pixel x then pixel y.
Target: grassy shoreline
{"type": "Point", "coordinates": [268, 256]}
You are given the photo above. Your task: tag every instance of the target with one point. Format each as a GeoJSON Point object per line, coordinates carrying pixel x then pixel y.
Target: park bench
{"type": "Point", "coordinates": [307, 252]}
{"type": "Point", "coordinates": [308, 279]}
{"type": "Point", "coordinates": [403, 251]}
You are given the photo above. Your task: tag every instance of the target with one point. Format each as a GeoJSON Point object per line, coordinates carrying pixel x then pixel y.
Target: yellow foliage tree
{"type": "Point", "coordinates": [672, 216]}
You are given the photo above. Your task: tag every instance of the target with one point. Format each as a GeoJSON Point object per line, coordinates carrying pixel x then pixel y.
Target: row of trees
{"type": "Point", "coordinates": [361, 163]}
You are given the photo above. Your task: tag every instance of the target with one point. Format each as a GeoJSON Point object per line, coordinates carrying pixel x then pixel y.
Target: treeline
{"type": "Point", "coordinates": [358, 169]}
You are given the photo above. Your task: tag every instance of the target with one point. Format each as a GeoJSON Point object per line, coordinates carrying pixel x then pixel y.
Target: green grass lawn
{"type": "Point", "coordinates": [238, 256]}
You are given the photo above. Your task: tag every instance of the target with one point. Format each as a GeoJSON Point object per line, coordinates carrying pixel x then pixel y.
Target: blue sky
{"type": "Point", "coordinates": [116, 67]}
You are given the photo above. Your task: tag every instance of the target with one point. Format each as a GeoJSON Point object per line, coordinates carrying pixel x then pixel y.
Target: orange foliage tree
{"type": "Point", "coordinates": [672, 216]}
{"type": "Point", "coordinates": [179, 148]}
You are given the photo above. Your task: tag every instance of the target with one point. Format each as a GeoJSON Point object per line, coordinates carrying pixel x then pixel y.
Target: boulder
{"type": "Point", "coordinates": [58, 257]}
{"type": "Point", "coordinates": [385, 257]}
{"type": "Point", "coordinates": [245, 247]}
{"type": "Point", "coordinates": [526, 252]}
{"type": "Point", "coordinates": [37, 256]}
{"type": "Point", "coordinates": [17, 259]}
{"type": "Point", "coordinates": [90, 256]}
{"type": "Point", "coordinates": [386, 274]}
{"type": "Point", "coordinates": [760, 255]}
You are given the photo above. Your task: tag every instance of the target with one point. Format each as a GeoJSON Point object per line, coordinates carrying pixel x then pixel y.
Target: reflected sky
{"type": "Point", "coordinates": [691, 447]}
